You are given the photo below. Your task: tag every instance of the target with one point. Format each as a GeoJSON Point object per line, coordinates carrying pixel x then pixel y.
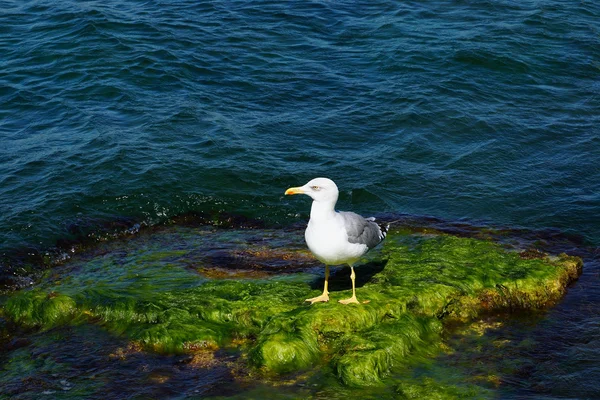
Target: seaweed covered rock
{"type": "Point", "coordinates": [39, 308]}
{"type": "Point", "coordinates": [461, 277]}
{"type": "Point", "coordinates": [157, 299]}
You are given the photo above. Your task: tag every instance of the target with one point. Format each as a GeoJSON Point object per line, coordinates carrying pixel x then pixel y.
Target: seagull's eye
{"type": "Point", "coordinates": [315, 188]}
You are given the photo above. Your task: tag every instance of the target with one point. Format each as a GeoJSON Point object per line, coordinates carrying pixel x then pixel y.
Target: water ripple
{"type": "Point", "coordinates": [493, 103]}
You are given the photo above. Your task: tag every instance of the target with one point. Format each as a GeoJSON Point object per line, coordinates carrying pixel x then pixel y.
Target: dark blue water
{"type": "Point", "coordinates": [140, 111]}
{"type": "Point", "coordinates": [485, 111]}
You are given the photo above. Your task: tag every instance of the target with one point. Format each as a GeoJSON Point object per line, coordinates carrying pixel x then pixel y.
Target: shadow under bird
{"type": "Point", "coordinates": [336, 237]}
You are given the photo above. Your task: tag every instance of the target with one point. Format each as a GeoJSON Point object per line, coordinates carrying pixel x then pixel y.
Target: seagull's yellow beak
{"type": "Point", "coordinates": [294, 190]}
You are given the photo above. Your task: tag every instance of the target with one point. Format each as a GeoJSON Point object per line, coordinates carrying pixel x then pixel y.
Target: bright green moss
{"type": "Point", "coordinates": [368, 357]}
{"type": "Point", "coordinates": [286, 352]}
{"type": "Point", "coordinates": [176, 336]}
{"type": "Point", "coordinates": [427, 281]}
{"type": "Point", "coordinates": [38, 308]}
{"type": "Point", "coordinates": [461, 277]}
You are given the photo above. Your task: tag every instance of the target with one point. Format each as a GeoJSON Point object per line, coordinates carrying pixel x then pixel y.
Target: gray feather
{"type": "Point", "coordinates": [363, 230]}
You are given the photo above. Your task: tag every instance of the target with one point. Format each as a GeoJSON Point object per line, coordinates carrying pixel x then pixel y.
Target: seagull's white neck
{"type": "Point", "coordinates": [322, 210]}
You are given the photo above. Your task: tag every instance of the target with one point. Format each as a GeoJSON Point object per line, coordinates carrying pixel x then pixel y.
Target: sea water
{"type": "Point", "coordinates": [118, 115]}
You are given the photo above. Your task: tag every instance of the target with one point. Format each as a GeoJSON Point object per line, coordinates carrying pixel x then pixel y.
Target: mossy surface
{"type": "Point", "coordinates": [155, 297]}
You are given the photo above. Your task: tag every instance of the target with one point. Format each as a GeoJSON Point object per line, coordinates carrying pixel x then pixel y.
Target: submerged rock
{"type": "Point", "coordinates": [160, 296]}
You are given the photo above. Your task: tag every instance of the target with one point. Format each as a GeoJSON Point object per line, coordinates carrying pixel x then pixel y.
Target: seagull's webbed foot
{"type": "Point", "coordinates": [319, 299]}
{"type": "Point", "coordinates": [350, 300]}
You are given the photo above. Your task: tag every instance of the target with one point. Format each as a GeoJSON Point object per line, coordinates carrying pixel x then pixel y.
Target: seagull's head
{"type": "Point", "coordinates": [320, 189]}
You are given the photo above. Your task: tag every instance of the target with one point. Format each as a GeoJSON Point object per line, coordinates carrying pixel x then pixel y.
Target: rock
{"type": "Point", "coordinates": [423, 283]}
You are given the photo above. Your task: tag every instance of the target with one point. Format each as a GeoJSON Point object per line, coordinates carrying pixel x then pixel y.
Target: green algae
{"type": "Point", "coordinates": [152, 297]}
{"type": "Point", "coordinates": [39, 308]}
{"type": "Point", "coordinates": [429, 388]}
{"type": "Point", "coordinates": [460, 277]}
{"type": "Point", "coordinates": [370, 356]}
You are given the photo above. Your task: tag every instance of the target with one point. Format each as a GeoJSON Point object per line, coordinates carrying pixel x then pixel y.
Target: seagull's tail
{"type": "Point", "coordinates": [384, 227]}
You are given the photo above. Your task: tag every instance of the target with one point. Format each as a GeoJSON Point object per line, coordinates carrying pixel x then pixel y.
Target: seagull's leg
{"type": "Point", "coordinates": [325, 295]}
{"type": "Point", "coordinates": [325, 287]}
{"type": "Point", "coordinates": [353, 298]}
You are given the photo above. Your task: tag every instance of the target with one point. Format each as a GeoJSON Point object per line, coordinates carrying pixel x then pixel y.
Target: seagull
{"type": "Point", "coordinates": [336, 237]}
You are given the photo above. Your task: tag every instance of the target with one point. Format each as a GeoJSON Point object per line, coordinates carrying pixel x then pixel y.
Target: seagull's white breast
{"type": "Point", "coordinates": [328, 241]}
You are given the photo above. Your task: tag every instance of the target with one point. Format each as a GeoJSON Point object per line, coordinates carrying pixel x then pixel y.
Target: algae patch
{"type": "Point", "coordinates": [154, 297]}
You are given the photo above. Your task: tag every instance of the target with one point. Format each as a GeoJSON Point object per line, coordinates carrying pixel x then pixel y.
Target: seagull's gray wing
{"type": "Point", "coordinates": [363, 230]}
